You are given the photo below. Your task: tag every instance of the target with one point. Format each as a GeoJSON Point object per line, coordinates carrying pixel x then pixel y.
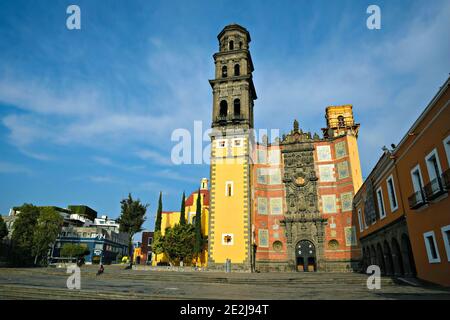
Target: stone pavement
{"type": "Point", "coordinates": [117, 283]}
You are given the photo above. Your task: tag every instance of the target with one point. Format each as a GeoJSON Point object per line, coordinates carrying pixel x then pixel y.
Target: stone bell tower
{"type": "Point", "coordinates": [231, 145]}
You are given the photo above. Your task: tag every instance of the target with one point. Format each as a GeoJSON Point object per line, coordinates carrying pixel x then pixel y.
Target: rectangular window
{"type": "Point", "coordinates": [446, 236]}
{"type": "Point", "coordinates": [150, 241]}
{"type": "Point", "coordinates": [262, 205]}
{"type": "Point", "coordinates": [381, 203]}
{"type": "Point", "coordinates": [276, 206]}
{"type": "Point", "coordinates": [340, 149]}
{"type": "Point", "coordinates": [433, 165]}
{"type": "Point", "coordinates": [431, 246]}
{"type": "Point", "coordinates": [392, 194]}
{"type": "Point", "coordinates": [221, 143]}
{"type": "Point", "coordinates": [346, 201]}
{"type": "Point", "coordinates": [274, 176]}
{"type": "Point", "coordinates": [326, 173]}
{"type": "Point", "coordinates": [416, 177]}
{"type": "Point", "coordinates": [350, 236]}
{"type": "Point", "coordinates": [229, 189]}
{"type": "Point", "coordinates": [329, 203]}
{"type": "Point", "coordinates": [262, 176]}
{"type": "Point", "coordinates": [263, 238]}
{"type": "Point", "coordinates": [361, 226]}
{"type": "Point", "coordinates": [323, 153]}
{"type": "Point", "coordinates": [342, 168]}
{"type": "Point", "coordinates": [447, 148]}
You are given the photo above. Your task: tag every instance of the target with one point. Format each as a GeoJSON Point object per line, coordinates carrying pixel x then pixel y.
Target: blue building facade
{"type": "Point", "coordinates": [105, 246]}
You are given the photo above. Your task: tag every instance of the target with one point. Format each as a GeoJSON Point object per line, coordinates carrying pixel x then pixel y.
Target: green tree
{"type": "Point", "coordinates": [158, 244]}
{"type": "Point", "coordinates": [178, 243]}
{"type": "Point", "coordinates": [159, 214]}
{"type": "Point", "coordinates": [198, 226]}
{"type": "Point", "coordinates": [183, 211]}
{"type": "Point", "coordinates": [47, 229]}
{"type": "Point", "coordinates": [73, 250]}
{"type": "Point", "coordinates": [3, 228]}
{"type": "Point", "coordinates": [23, 234]}
{"type": "Point", "coordinates": [132, 218]}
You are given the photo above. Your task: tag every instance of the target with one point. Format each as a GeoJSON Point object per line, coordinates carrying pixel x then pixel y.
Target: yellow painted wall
{"type": "Point", "coordinates": [229, 214]}
{"type": "Point", "coordinates": [355, 164]}
{"type": "Point", "coordinates": [169, 219]}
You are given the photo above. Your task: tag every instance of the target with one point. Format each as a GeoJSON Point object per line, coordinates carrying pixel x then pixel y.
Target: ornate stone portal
{"type": "Point", "coordinates": [303, 220]}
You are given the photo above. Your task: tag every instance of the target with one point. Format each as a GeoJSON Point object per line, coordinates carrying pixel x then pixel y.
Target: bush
{"type": "Point", "coordinates": [72, 250]}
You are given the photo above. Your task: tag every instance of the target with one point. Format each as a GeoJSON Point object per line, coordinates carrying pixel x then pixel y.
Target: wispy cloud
{"type": "Point", "coordinates": [103, 179]}
{"type": "Point", "coordinates": [6, 167]}
{"type": "Point", "coordinates": [154, 157]}
{"type": "Point", "coordinates": [174, 175]}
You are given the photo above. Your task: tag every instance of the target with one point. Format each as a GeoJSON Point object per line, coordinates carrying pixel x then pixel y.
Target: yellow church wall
{"type": "Point", "coordinates": [170, 218]}
{"type": "Point", "coordinates": [230, 212]}
{"type": "Point", "coordinates": [355, 164]}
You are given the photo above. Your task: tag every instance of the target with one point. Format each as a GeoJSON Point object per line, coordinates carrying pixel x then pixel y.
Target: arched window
{"type": "Point", "coordinates": [237, 70]}
{"type": "Point", "coordinates": [231, 45]}
{"type": "Point", "coordinates": [341, 122]}
{"type": "Point", "coordinates": [223, 108]}
{"type": "Point", "coordinates": [240, 44]}
{"type": "Point", "coordinates": [224, 72]}
{"type": "Point", "coordinates": [237, 107]}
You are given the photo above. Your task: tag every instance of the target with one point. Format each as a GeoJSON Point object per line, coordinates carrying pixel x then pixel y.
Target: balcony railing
{"type": "Point", "coordinates": [446, 179]}
{"type": "Point", "coordinates": [230, 118]}
{"type": "Point", "coordinates": [434, 189]}
{"type": "Point", "coordinates": [417, 199]}
{"type": "Point", "coordinates": [431, 191]}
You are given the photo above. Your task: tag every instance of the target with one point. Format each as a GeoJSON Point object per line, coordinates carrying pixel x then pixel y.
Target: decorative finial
{"type": "Point", "coordinates": [295, 125]}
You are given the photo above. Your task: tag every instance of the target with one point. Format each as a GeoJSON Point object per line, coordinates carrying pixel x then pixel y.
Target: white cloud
{"type": "Point", "coordinates": [7, 167]}
{"type": "Point", "coordinates": [154, 157]}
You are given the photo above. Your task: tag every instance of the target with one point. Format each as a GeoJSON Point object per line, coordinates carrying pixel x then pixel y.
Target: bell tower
{"type": "Point", "coordinates": [231, 144]}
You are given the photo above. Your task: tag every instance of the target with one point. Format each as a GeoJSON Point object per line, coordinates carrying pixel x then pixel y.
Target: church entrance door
{"type": "Point", "coordinates": [305, 254]}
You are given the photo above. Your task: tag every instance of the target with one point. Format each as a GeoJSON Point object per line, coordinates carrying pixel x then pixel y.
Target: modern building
{"type": "Point", "coordinates": [292, 209]}
{"type": "Point", "coordinates": [403, 207]}
{"type": "Point", "coordinates": [105, 245]}
{"type": "Point", "coordinates": [81, 226]}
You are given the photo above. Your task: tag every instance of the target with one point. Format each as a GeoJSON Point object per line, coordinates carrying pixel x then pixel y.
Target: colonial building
{"type": "Point", "coordinates": [292, 209]}
{"type": "Point", "coordinates": [170, 218]}
{"type": "Point", "coordinates": [303, 188]}
{"type": "Point", "coordinates": [403, 207]}
{"type": "Point", "coordinates": [231, 141]}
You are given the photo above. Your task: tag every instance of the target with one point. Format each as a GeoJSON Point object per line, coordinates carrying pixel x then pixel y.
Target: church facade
{"type": "Point", "coordinates": [280, 206]}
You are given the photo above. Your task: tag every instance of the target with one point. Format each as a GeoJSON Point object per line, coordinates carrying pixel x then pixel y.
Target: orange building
{"type": "Point", "coordinates": [403, 207]}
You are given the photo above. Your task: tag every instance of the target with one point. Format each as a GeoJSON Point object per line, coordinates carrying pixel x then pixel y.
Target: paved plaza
{"type": "Point", "coordinates": [117, 283]}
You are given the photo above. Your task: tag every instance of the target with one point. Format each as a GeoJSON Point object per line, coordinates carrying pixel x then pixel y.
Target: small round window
{"type": "Point", "coordinates": [333, 244]}
{"type": "Point", "coordinates": [277, 246]}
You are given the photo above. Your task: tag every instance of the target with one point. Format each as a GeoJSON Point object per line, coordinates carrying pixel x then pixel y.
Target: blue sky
{"type": "Point", "coordinates": [86, 116]}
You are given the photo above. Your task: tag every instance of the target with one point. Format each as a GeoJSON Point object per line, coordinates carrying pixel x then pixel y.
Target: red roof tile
{"type": "Point", "coordinates": [205, 197]}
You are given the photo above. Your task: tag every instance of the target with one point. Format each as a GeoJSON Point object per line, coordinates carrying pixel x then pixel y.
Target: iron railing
{"type": "Point", "coordinates": [434, 189]}
{"type": "Point", "coordinates": [417, 199]}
